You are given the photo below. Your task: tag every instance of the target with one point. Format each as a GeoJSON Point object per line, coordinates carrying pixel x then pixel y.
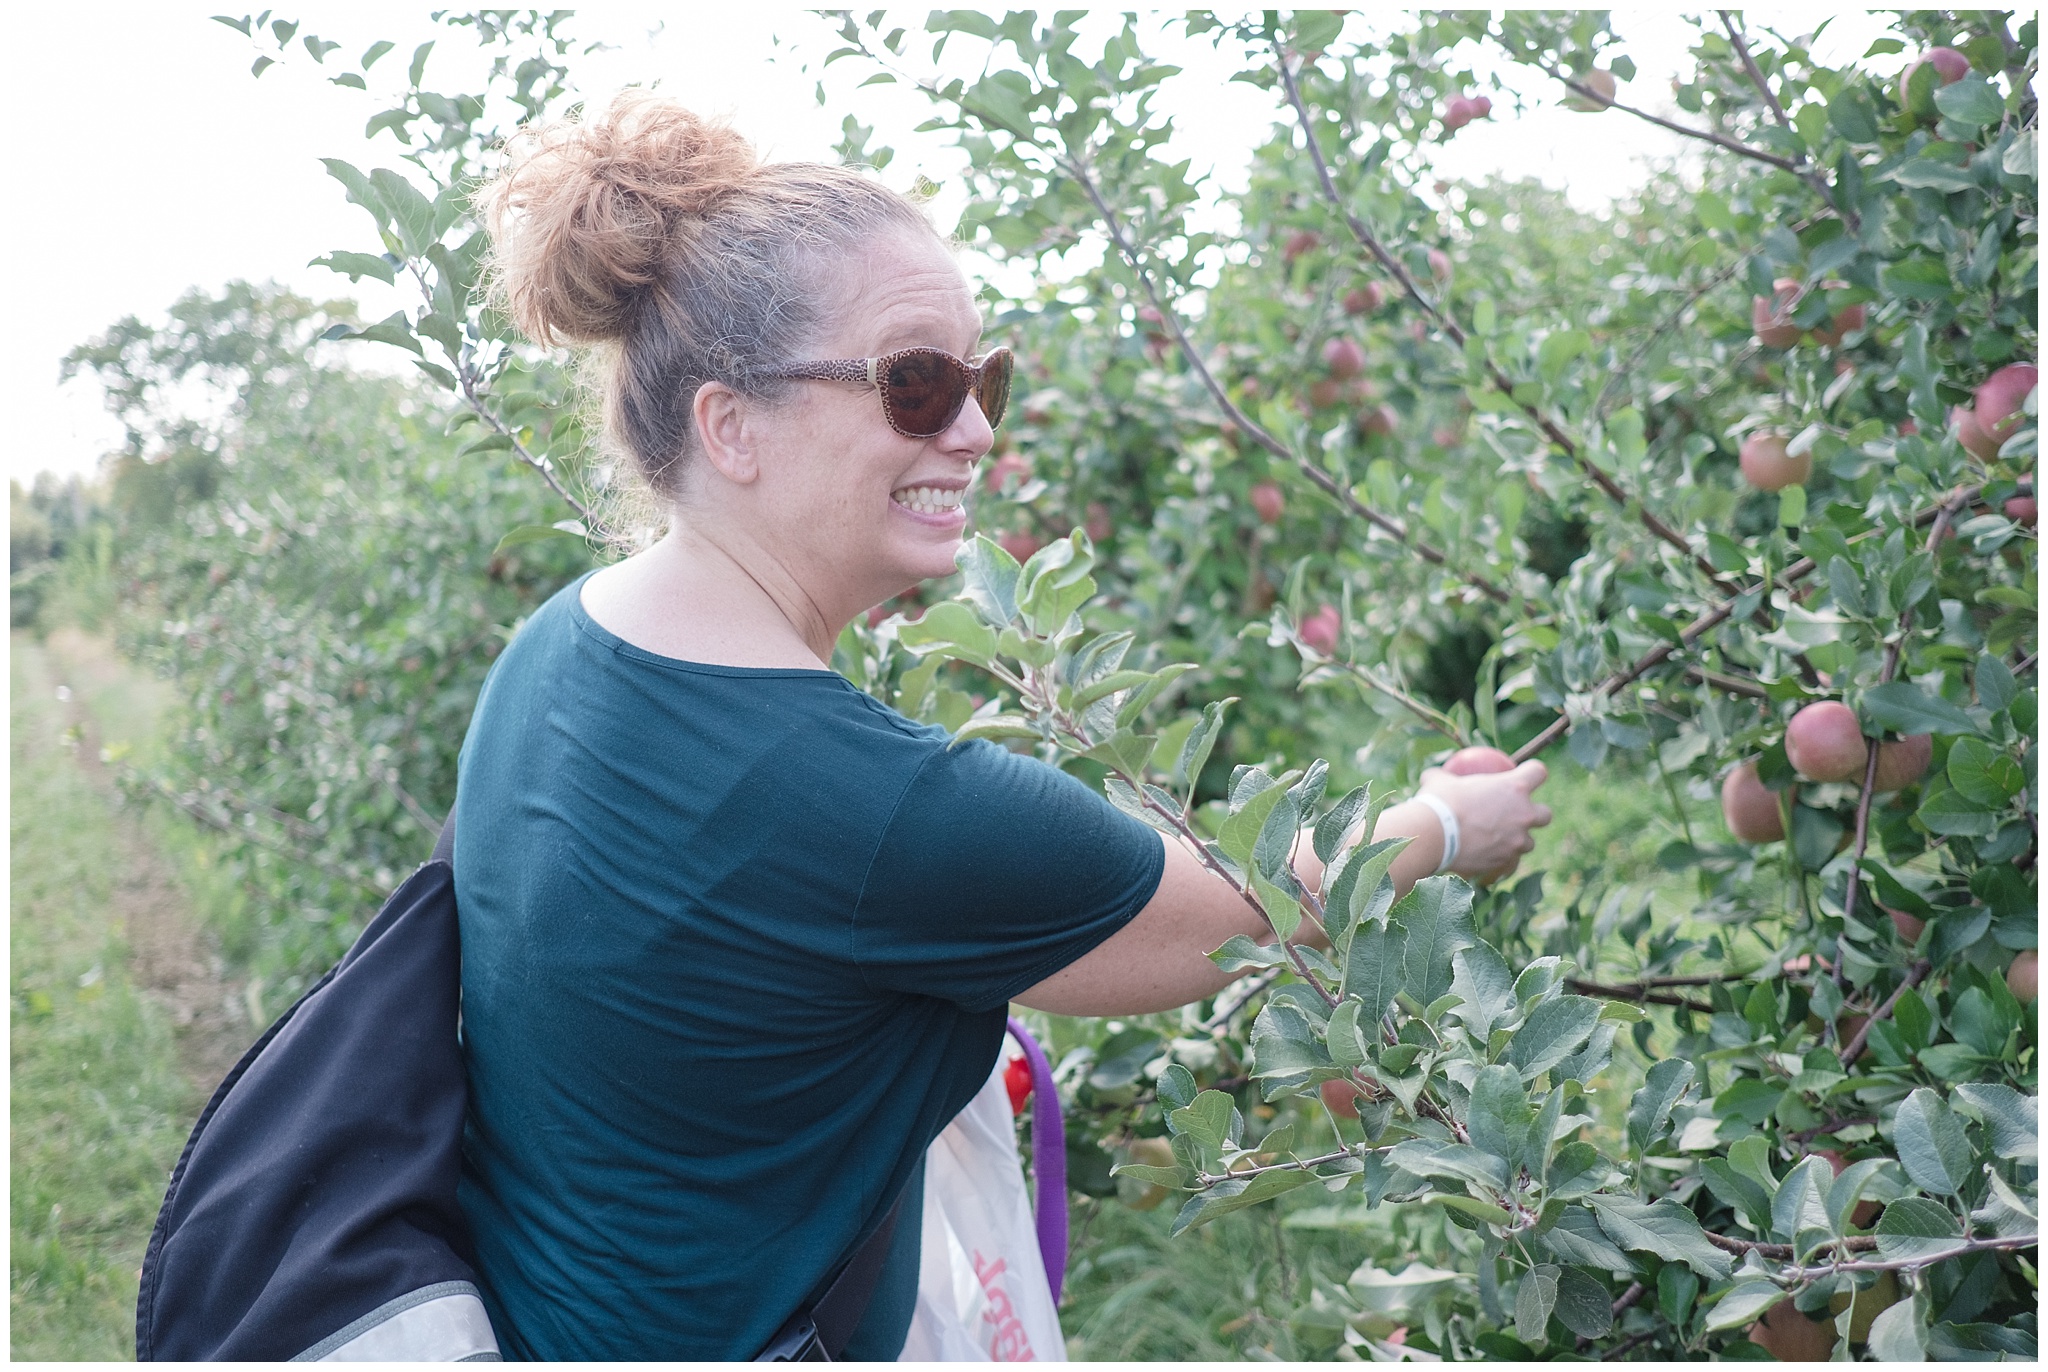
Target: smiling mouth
{"type": "Point", "coordinates": [931, 500]}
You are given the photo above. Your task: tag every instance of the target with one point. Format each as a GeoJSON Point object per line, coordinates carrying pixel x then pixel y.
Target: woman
{"type": "Point", "coordinates": [737, 938]}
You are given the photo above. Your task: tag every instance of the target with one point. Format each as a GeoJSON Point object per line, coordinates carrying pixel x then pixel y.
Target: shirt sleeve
{"type": "Point", "coordinates": [996, 871]}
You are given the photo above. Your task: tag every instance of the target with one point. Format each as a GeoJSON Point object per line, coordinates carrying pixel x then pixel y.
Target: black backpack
{"type": "Point", "coordinates": [312, 1214]}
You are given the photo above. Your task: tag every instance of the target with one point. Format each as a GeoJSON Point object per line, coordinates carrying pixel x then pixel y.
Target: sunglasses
{"type": "Point", "coordinates": [922, 389]}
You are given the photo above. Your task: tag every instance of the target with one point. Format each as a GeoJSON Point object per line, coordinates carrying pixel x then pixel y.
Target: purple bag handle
{"type": "Point", "coordinates": [1048, 1159]}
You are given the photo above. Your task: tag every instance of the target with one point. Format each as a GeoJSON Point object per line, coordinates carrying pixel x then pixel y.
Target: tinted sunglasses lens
{"type": "Point", "coordinates": [992, 385]}
{"type": "Point", "coordinates": [923, 392]}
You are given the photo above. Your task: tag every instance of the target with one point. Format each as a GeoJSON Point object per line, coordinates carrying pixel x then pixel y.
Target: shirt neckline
{"type": "Point", "coordinates": [620, 647]}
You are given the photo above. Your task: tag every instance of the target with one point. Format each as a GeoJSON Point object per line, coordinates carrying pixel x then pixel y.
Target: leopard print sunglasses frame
{"type": "Point", "coordinates": [922, 389]}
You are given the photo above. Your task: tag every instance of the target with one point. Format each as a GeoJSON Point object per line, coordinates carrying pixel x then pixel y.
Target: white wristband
{"type": "Point", "coordinates": [1449, 820]}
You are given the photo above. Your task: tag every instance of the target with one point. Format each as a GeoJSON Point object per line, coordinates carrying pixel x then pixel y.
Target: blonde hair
{"type": "Point", "coordinates": [661, 240]}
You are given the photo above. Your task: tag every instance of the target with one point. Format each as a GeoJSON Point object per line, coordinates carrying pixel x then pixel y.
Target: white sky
{"type": "Point", "coordinates": [162, 165]}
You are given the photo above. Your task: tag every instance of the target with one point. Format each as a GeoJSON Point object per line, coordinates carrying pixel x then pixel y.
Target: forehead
{"type": "Point", "coordinates": [905, 290]}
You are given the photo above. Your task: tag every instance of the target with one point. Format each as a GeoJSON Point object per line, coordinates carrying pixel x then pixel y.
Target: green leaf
{"type": "Point", "coordinates": [1665, 1228]}
{"type": "Point", "coordinates": [1437, 915]}
{"type": "Point", "coordinates": [1176, 1087]}
{"type": "Point", "coordinates": [1350, 1045]}
{"type": "Point", "coordinates": [1677, 1289]}
{"type": "Point", "coordinates": [355, 265]}
{"type": "Point", "coordinates": [1898, 1334]}
{"type": "Point", "coordinates": [1486, 987]}
{"type": "Point", "coordinates": [952, 630]}
{"type": "Point", "coordinates": [1578, 1238]}
{"type": "Point", "coordinates": [1577, 1170]}
{"type": "Point", "coordinates": [1649, 1112]}
{"type": "Point", "coordinates": [1169, 1177]}
{"type": "Point", "coordinates": [1285, 1041]}
{"type": "Point", "coordinates": [1583, 1305]}
{"type": "Point", "coordinates": [1456, 1161]}
{"type": "Point", "coordinates": [1282, 906]}
{"type": "Point", "coordinates": [375, 51]}
{"type": "Point", "coordinates": [1996, 688]}
{"type": "Point", "coordinates": [1847, 1189]}
{"type": "Point", "coordinates": [1925, 173]}
{"type": "Point", "coordinates": [1201, 739]}
{"type": "Point", "coordinates": [1534, 1300]}
{"type": "Point", "coordinates": [1227, 1196]}
{"type": "Point", "coordinates": [1551, 1032]}
{"type": "Point", "coordinates": [1238, 836]}
{"type": "Point", "coordinates": [991, 579]}
{"type": "Point", "coordinates": [1915, 1227]}
{"type": "Point", "coordinates": [1274, 847]}
{"type": "Point", "coordinates": [2011, 1120]}
{"type": "Point", "coordinates": [1360, 890]}
{"type": "Point", "coordinates": [1337, 821]}
{"type": "Point", "coordinates": [1240, 953]}
{"type": "Point", "coordinates": [1207, 1121]}
{"type": "Point", "coordinates": [1904, 708]}
{"type": "Point", "coordinates": [1983, 774]}
{"type": "Point", "coordinates": [1945, 810]}
{"type": "Point", "coordinates": [531, 533]}
{"type": "Point", "coordinates": [1799, 1212]}
{"type": "Point", "coordinates": [394, 329]}
{"type": "Point", "coordinates": [1932, 1146]}
{"type": "Point", "coordinates": [412, 214]}
{"type": "Point", "coordinates": [1499, 1116]}
{"type": "Point", "coordinates": [1742, 1303]}
{"type": "Point", "coordinates": [1373, 967]}
{"type": "Point", "coordinates": [996, 729]}
{"type": "Point", "coordinates": [1971, 102]}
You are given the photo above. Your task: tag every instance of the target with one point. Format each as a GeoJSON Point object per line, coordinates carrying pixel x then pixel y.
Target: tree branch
{"type": "Point", "coordinates": [1853, 1049]}
{"type": "Point", "coordinates": [1495, 376]}
{"type": "Point", "coordinates": [1817, 183]}
{"type": "Point", "coordinates": [1256, 432]}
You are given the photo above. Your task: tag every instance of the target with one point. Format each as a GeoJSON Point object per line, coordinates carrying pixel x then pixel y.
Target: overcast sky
{"type": "Point", "coordinates": [149, 160]}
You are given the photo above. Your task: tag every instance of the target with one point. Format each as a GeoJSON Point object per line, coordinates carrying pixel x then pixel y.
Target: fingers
{"type": "Point", "coordinates": [1542, 817]}
{"type": "Point", "coordinates": [1529, 775]}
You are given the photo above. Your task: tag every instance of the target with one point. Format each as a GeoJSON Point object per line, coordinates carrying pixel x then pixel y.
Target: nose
{"type": "Point", "coordinates": [970, 436]}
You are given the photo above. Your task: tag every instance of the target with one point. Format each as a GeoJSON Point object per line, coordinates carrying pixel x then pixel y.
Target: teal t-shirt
{"type": "Point", "coordinates": [737, 944]}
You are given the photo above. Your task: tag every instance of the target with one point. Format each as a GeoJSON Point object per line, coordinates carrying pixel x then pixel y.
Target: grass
{"type": "Point", "coordinates": [99, 1102]}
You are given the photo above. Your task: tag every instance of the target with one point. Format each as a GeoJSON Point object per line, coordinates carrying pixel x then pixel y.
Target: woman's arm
{"type": "Point", "coordinates": [1160, 959]}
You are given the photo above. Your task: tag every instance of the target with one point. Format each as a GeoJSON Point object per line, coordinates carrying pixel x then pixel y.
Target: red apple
{"type": "Point", "coordinates": [2022, 510]}
{"type": "Point", "coordinates": [1482, 107]}
{"type": "Point", "coordinates": [1909, 927]}
{"type": "Point", "coordinates": [1020, 544]}
{"type": "Point", "coordinates": [2001, 400]}
{"type": "Point", "coordinates": [1847, 320]}
{"type": "Point", "coordinates": [1902, 763]}
{"type": "Point", "coordinates": [1447, 435]}
{"type": "Point", "coordinates": [878, 613]}
{"type": "Point", "coordinates": [1907, 428]}
{"type": "Point", "coordinates": [1457, 113]}
{"type": "Point", "coordinates": [1949, 66]}
{"type": "Point", "coordinates": [1825, 742]}
{"type": "Point", "coordinates": [1269, 501]}
{"type": "Point", "coordinates": [1789, 1336]}
{"type": "Point", "coordinates": [1343, 357]}
{"type": "Point", "coordinates": [2023, 977]}
{"type": "Point", "coordinates": [1962, 421]}
{"type": "Point", "coordinates": [1601, 85]}
{"type": "Point", "coordinates": [1379, 420]}
{"type": "Point", "coordinates": [1320, 630]}
{"type": "Point", "coordinates": [1771, 320]}
{"type": "Point", "coordinates": [1098, 524]}
{"type": "Point", "coordinates": [1440, 266]}
{"type": "Point", "coordinates": [1017, 1081]}
{"type": "Point", "coordinates": [1474, 761]}
{"type": "Point", "coordinates": [1299, 244]}
{"type": "Point", "coordinates": [1004, 468]}
{"type": "Point", "coordinates": [1749, 808]}
{"type": "Point", "coordinates": [1767, 465]}
{"type": "Point", "coordinates": [1342, 1098]}
{"type": "Point", "coordinates": [1324, 393]}
{"type": "Point", "coordinates": [1364, 299]}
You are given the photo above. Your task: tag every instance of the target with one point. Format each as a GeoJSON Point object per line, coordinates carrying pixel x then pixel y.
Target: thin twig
{"type": "Point", "coordinates": [1813, 179]}
{"type": "Point", "coordinates": [1892, 654]}
{"type": "Point", "coordinates": [1855, 1243]}
{"type": "Point", "coordinates": [1436, 719]}
{"type": "Point", "coordinates": [1628, 1345]}
{"type": "Point", "coordinates": [1220, 1015]}
{"type": "Point", "coordinates": [1495, 376]}
{"type": "Point", "coordinates": [1838, 1123]}
{"type": "Point", "coordinates": [1627, 1298]}
{"type": "Point", "coordinates": [1734, 685]}
{"type": "Point", "coordinates": [1854, 1048]}
{"type": "Point", "coordinates": [1638, 993]}
{"type": "Point", "coordinates": [1792, 1276]}
{"type": "Point", "coordinates": [2027, 664]}
{"type": "Point", "coordinates": [1686, 130]}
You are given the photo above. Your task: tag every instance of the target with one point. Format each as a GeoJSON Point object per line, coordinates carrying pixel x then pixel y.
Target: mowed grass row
{"type": "Point", "coordinates": [100, 1105]}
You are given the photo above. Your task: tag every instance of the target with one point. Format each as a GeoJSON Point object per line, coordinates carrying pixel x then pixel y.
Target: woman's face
{"type": "Point", "coordinates": [858, 510]}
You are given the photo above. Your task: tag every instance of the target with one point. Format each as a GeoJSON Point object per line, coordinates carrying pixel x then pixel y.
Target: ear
{"type": "Point", "coordinates": [724, 433]}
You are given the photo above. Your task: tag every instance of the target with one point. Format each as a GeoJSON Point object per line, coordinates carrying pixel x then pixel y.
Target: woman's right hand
{"type": "Point", "coordinates": [1496, 811]}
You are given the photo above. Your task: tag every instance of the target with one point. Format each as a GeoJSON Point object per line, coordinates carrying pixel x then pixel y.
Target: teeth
{"type": "Point", "coordinates": [928, 499]}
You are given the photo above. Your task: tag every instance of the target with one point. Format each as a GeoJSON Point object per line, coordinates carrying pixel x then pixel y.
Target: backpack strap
{"type": "Point", "coordinates": [820, 1332]}
{"type": "Point", "coordinates": [444, 845]}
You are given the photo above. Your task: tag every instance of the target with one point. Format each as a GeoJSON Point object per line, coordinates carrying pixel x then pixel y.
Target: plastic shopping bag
{"type": "Point", "coordinates": [983, 1293]}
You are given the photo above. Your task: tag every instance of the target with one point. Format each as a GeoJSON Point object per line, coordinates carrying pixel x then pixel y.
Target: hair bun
{"type": "Point", "coordinates": [585, 214]}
